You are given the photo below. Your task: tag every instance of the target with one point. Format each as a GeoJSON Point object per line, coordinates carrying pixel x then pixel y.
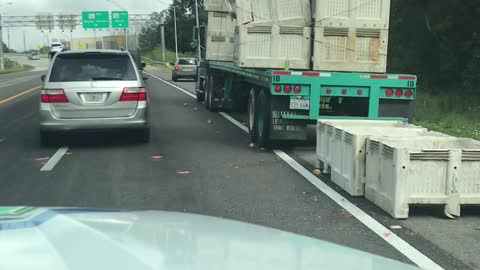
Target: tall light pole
{"type": "Point", "coordinates": [198, 27]}
{"type": "Point", "coordinates": [176, 37]}
{"type": "Point", "coordinates": [2, 66]}
{"type": "Point", "coordinates": [162, 33]}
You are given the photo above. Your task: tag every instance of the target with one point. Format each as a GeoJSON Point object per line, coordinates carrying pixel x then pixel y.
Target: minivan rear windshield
{"type": "Point", "coordinates": [88, 67]}
{"type": "Point", "coordinates": [187, 61]}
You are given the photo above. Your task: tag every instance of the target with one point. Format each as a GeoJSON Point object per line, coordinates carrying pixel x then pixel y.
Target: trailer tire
{"type": "Point", "coordinates": [207, 91]}
{"type": "Point", "coordinates": [252, 119]}
{"type": "Point", "coordinates": [199, 87]}
{"type": "Point", "coordinates": [200, 97]}
{"type": "Point", "coordinates": [263, 115]}
{"type": "Point", "coordinates": [209, 96]}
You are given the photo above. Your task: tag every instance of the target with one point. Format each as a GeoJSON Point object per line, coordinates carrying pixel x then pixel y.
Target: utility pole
{"type": "Point", "coordinates": [162, 33]}
{"type": "Point", "coordinates": [198, 27]}
{"type": "Point", "coordinates": [8, 37]}
{"type": "Point", "coordinates": [175, 23]}
{"type": "Point", "coordinates": [24, 43]}
{"type": "Point", "coordinates": [2, 66]}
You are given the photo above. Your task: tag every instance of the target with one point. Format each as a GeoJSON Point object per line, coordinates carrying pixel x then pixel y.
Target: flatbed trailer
{"type": "Point", "coordinates": [281, 103]}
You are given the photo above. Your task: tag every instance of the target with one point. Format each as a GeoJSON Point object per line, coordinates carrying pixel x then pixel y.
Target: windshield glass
{"type": "Point", "coordinates": [87, 67]}
{"type": "Point", "coordinates": [187, 61]}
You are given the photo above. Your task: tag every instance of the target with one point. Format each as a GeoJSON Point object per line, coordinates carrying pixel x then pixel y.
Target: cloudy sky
{"type": "Point", "coordinates": [34, 37]}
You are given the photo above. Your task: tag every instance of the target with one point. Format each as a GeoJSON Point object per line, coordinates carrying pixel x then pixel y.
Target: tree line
{"type": "Point", "coordinates": [150, 36]}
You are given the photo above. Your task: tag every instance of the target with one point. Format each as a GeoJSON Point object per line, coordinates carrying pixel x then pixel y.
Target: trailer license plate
{"type": "Point", "coordinates": [299, 104]}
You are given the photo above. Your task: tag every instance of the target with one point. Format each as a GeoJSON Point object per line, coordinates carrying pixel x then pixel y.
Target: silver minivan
{"type": "Point", "coordinates": [93, 90]}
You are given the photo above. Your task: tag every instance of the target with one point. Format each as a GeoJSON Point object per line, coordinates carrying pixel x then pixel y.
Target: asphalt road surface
{"type": "Point", "coordinates": [197, 162]}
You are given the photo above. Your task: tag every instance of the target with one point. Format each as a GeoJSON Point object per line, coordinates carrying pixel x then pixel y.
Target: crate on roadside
{"type": "Point", "coordinates": [326, 130]}
{"type": "Point", "coordinates": [348, 152]}
{"type": "Point", "coordinates": [351, 35]}
{"type": "Point", "coordinates": [426, 170]}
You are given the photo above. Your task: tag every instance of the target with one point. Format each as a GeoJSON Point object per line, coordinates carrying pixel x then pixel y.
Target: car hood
{"type": "Point", "coordinates": [63, 238]}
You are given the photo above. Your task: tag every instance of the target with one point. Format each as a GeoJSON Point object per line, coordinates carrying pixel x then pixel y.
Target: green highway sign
{"type": "Point", "coordinates": [120, 19]}
{"type": "Point", "coordinates": [95, 19]}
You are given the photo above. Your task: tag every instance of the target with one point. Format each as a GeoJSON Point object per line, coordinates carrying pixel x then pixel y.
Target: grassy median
{"type": "Point", "coordinates": [13, 67]}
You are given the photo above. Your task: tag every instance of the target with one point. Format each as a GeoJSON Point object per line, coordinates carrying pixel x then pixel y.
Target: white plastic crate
{"type": "Point", "coordinates": [373, 14]}
{"type": "Point", "coordinates": [347, 161]}
{"type": "Point", "coordinates": [427, 170]}
{"type": "Point", "coordinates": [271, 46]}
{"type": "Point", "coordinates": [281, 12]}
{"type": "Point", "coordinates": [253, 11]}
{"type": "Point", "coordinates": [220, 37]}
{"type": "Point", "coordinates": [292, 12]}
{"type": "Point", "coordinates": [351, 35]}
{"type": "Point", "coordinates": [325, 131]}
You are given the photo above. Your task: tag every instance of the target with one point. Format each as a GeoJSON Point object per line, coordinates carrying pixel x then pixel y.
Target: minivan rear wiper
{"type": "Point", "coordinates": [106, 79]}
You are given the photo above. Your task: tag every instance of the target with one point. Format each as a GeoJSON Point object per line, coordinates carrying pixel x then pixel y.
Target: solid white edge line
{"type": "Point", "coordinates": [54, 159]}
{"type": "Point", "coordinates": [235, 122]}
{"type": "Point", "coordinates": [391, 238]}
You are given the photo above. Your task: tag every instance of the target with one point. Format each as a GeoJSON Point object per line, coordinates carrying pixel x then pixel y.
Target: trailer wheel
{"type": "Point", "coordinates": [210, 96]}
{"type": "Point", "coordinates": [199, 87]}
{"type": "Point", "coordinates": [252, 119]}
{"type": "Point", "coordinates": [207, 91]}
{"type": "Point", "coordinates": [263, 119]}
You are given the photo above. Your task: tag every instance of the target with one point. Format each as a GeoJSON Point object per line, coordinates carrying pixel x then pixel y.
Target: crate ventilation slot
{"type": "Point", "coordinates": [431, 155]}
{"type": "Point", "coordinates": [371, 33]}
{"type": "Point", "coordinates": [348, 138]}
{"type": "Point", "coordinates": [218, 38]}
{"type": "Point", "coordinates": [339, 32]}
{"type": "Point", "coordinates": [470, 155]}
{"type": "Point", "coordinates": [291, 30]}
{"type": "Point", "coordinates": [220, 14]}
{"type": "Point", "coordinates": [338, 134]}
{"type": "Point", "coordinates": [387, 151]}
{"type": "Point", "coordinates": [259, 29]}
{"type": "Point", "coordinates": [374, 146]}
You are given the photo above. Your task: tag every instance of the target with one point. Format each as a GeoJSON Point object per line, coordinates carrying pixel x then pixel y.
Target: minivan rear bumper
{"type": "Point", "coordinates": [48, 122]}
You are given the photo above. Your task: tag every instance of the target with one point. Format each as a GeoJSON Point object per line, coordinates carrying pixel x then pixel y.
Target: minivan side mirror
{"type": "Point", "coordinates": [144, 65]}
{"type": "Point", "coordinates": [43, 78]}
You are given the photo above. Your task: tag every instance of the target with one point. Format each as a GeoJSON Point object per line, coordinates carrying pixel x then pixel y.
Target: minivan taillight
{"type": "Point", "coordinates": [176, 68]}
{"type": "Point", "coordinates": [133, 94]}
{"type": "Point", "coordinates": [53, 96]}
